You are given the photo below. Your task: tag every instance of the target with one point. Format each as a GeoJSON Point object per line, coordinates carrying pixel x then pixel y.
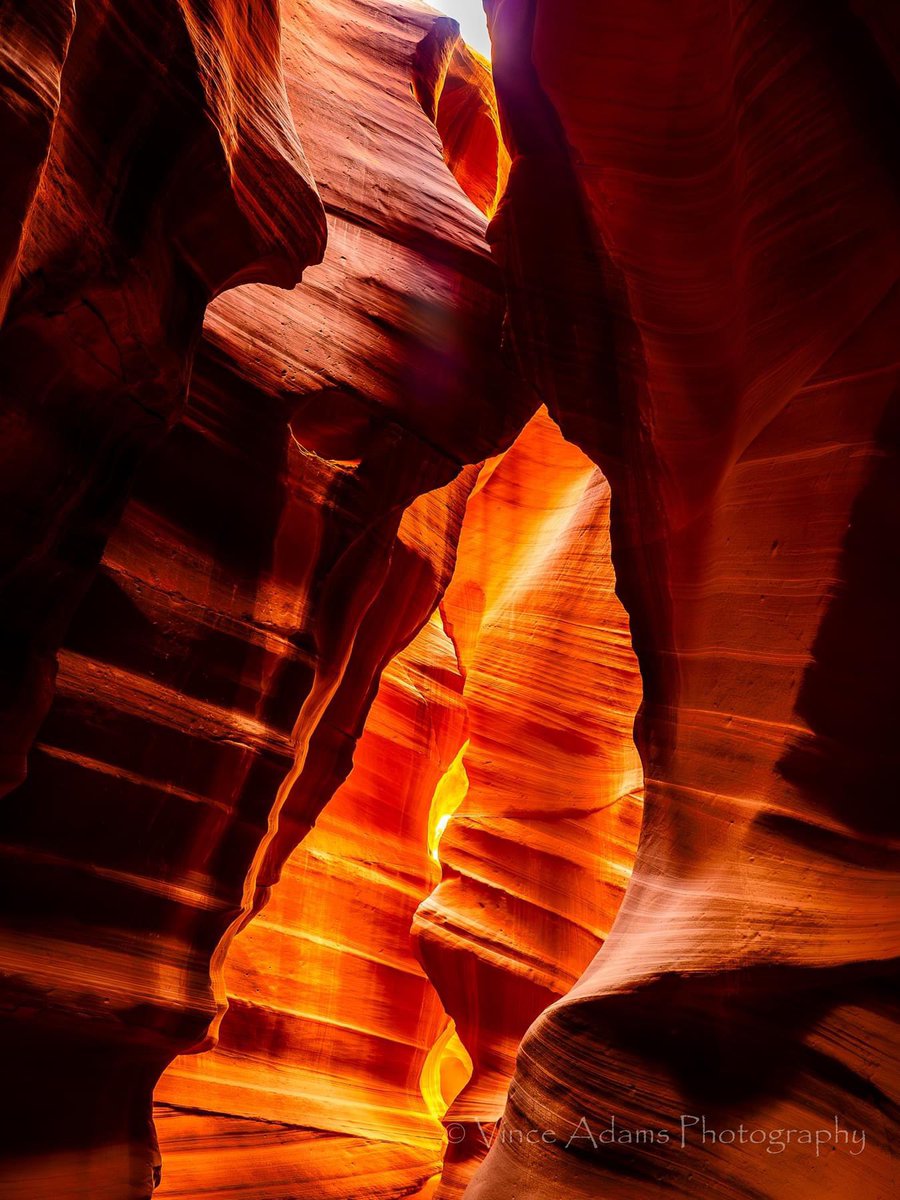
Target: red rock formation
{"type": "Point", "coordinates": [539, 851]}
{"type": "Point", "coordinates": [333, 1030]}
{"type": "Point", "coordinates": [220, 666]}
{"type": "Point", "coordinates": [454, 85]}
{"type": "Point", "coordinates": [331, 1019]}
{"type": "Point", "coordinates": [152, 163]}
{"type": "Point", "coordinates": [695, 267]}
{"type": "Point", "coordinates": [713, 318]}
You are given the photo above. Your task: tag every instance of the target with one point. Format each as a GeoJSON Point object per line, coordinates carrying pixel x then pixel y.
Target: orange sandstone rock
{"type": "Point", "coordinates": [308, 588]}
{"type": "Point", "coordinates": [152, 162]}
{"type": "Point", "coordinates": [538, 853]}
{"type": "Point", "coordinates": [331, 1020]}
{"type": "Point", "coordinates": [712, 318]}
{"type": "Point", "coordinates": [454, 85]}
{"type": "Point", "coordinates": [332, 1026]}
{"type": "Point", "coordinates": [218, 669]}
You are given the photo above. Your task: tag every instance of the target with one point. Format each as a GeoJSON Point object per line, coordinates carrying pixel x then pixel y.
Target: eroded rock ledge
{"type": "Point", "coordinates": [216, 671]}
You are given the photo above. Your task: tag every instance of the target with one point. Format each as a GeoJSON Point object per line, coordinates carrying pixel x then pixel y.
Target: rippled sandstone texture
{"type": "Point", "coordinates": [700, 237]}
{"type": "Point", "coordinates": [453, 83]}
{"type": "Point", "coordinates": [539, 850]}
{"type": "Point", "coordinates": [699, 258]}
{"type": "Point", "coordinates": [321, 1075]}
{"type": "Point", "coordinates": [151, 161]}
{"type": "Point", "coordinates": [218, 668]}
{"type": "Point", "coordinates": [334, 1031]}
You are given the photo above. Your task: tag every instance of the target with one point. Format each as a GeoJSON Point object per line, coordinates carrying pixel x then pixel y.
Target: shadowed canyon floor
{"type": "Point", "coordinates": [448, 600]}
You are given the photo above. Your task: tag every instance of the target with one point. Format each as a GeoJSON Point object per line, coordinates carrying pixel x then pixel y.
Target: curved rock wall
{"type": "Point", "coordinates": [153, 162]}
{"type": "Point", "coordinates": [531, 807]}
{"type": "Point", "coordinates": [714, 322]}
{"type": "Point", "coordinates": [219, 667]}
{"type": "Point", "coordinates": [453, 83]}
{"type": "Point", "coordinates": [538, 853]}
{"type": "Point", "coordinates": [207, 566]}
{"type": "Point", "coordinates": [331, 1019]}
{"type": "Point", "coordinates": [150, 161]}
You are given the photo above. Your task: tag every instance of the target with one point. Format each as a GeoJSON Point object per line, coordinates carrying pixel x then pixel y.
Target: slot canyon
{"type": "Point", "coordinates": [449, 600]}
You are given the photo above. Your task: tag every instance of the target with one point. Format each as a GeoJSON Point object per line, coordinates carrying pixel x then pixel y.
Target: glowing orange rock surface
{"type": "Point", "coordinates": [454, 86]}
{"type": "Point", "coordinates": [218, 668]}
{"type": "Point", "coordinates": [538, 853]}
{"type": "Point", "coordinates": [334, 1031]}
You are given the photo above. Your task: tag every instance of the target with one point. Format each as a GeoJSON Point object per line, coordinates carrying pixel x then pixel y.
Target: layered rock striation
{"type": "Point", "coordinates": [538, 853]}
{"type": "Point", "coordinates": [326, 1048]}
{"type": "Point", "coordinates": [153, 162]}
{"type": "Point", "coordinates": [712, 317]}
{"type": "Point", "coordinates": [502, 833]}
{"type": "Point", "coordinates": [217, 669]}
{"type": "Point", "coordinates": [323, 643]}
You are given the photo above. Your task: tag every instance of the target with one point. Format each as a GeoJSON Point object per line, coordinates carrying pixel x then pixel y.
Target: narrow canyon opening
{"type": "Point", "coordinates": [458, 882]}
{"type": "Point", "coordinates": [470, 866]}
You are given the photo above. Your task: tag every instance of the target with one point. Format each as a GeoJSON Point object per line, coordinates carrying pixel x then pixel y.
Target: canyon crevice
{"type": "Point", "coordinates": [448, 599]}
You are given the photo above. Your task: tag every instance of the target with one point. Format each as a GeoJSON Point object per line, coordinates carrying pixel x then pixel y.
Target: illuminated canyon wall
{"type": "Point", "coordinates": [456, 821]}
{"type": "Point", "coordinates": [216, 670]}
{"type": "Point", "coordinates": [338, 671]}
{"type": "Point", "coordinates": [539, 850]}
{"type": "Point", "coordinates": [321, 1072]}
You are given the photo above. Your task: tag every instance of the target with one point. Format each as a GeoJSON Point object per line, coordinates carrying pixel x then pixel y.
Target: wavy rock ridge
{"type": "Point", "coordinates": [334, 1031]}
{"type": "Point", "coordinates": [331, 1019]}
{"type": "Point", "coordinates": [217, 669]}
{"type": "Point", "coordinates": [539, 850]}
